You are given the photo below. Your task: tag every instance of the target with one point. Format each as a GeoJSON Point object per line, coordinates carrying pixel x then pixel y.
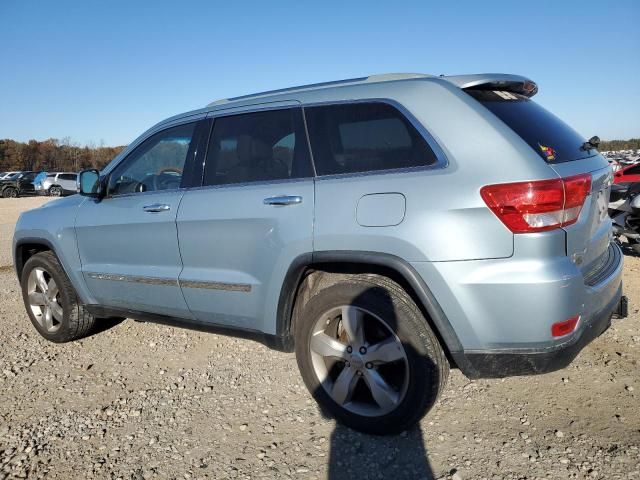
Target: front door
{"type": "Point", "coordinates": [128, 240]}
{"type": "Point", "coordinates": [239, 233]}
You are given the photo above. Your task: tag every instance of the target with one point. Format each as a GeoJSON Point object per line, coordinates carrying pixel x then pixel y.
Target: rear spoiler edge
{"type": "Point", "coordinates": [495, 81]}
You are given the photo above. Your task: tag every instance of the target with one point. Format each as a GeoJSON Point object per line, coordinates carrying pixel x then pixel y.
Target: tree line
{"type": "Point", "coordinates": [613, 145]}
{"type": "Point", "coordinates": [53, 155]}
{"type": "Point", "coordinates": [64, 155]}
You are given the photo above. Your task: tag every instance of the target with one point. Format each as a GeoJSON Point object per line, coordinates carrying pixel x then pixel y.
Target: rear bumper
{"type": "Point", "coordinates": [536, 361]}
{"type": "Point", "coordinates": [503, 310]}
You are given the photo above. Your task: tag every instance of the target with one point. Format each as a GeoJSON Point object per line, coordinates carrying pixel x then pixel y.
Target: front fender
{"type": "Point", "coordinates": [51, 226]}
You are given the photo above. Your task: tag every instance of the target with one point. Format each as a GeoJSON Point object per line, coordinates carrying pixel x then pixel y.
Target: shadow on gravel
{"type": "Point", "coordinates": [397, 457]}
{"type": "Point", "coordinates": [356, 455]}
{"type": "Point", "coordinates": [104, 324]}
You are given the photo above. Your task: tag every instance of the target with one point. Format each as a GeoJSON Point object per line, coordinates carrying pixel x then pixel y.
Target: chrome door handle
{"type": "Point", "coordinates": [283, 200]}
{"type": "Point", "coordinates": [156, 207]}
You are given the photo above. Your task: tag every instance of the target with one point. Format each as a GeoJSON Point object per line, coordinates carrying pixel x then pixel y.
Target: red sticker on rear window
{"type": "Point", "coordinates": [548, 152]}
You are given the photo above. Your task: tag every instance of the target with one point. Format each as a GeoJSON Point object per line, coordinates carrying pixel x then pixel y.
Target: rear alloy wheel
{"type": "Point", "coordinates": [367, 354]}
{"type": "Point", "coordinates": [51, 301]}
{"type": "Point", "coordinates": [10, 192]}
{"type": "Point", "coordinates": [371, 373]}
{"type": "Point", "coordinates": [55, 191]}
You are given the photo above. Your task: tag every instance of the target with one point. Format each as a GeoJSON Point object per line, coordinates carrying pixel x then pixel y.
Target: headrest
{"type": "Point", "coordinates": [250, 148]}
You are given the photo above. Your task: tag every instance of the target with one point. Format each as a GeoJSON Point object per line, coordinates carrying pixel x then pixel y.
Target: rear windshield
{"type": "Point", "coordinates": [549, 136]}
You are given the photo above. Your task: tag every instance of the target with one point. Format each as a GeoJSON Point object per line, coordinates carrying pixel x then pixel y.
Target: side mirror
{"type": "Point", "coordinates": [89, 183]}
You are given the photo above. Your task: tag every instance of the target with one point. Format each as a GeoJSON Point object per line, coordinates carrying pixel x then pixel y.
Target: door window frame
{"type": "Point", "coordinates": [441, 159]}
{"type": "Point", "coordinates": [200, 134]}
{"type": "Point", "coordinates": [193, 172]}
{"type": "Point", "coordinates": [246, 110]}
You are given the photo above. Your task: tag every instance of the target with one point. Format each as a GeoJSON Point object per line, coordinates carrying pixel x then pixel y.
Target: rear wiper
{"type": "Point", "coordinates": [592, 143]}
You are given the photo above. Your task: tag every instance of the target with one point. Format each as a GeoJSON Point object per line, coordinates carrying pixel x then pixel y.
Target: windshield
{"type": "Point", "coordinates": [549, 136]}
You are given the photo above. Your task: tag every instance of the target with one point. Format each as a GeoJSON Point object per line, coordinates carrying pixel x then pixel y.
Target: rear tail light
{"type": "Point", "coordinates": [538, 206]}
{"type": "Point", "coordinates": [565, 327]}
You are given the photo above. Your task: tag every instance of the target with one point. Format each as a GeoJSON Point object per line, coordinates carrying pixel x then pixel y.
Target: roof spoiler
{"type": "Point", "coordinates": [495, 81]}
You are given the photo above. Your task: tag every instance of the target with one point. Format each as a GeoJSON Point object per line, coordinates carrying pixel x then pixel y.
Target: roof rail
{"type": "Point", "coordinates": [387, 77]}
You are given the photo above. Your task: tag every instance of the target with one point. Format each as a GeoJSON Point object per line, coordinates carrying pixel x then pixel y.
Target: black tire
{"type": "Point", "coordinates": [10, 192]}
{"type": "Point", "coordinates": [55, 191]}
{"type": "Point", "coordinates": [76, 321]}
{"type": "Point", "coordinates": [428, 368]}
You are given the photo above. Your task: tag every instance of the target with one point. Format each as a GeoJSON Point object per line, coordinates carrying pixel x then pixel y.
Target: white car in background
{"type": "Point", "coordinates": [58, 184]}
{"type": "Point", "coordinates": [5, 175]}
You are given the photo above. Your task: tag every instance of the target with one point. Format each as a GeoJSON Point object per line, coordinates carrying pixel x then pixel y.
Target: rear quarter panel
{"type": "Point", "coordinates": [445, 219]}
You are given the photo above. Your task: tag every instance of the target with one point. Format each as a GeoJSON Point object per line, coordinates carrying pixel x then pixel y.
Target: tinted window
{"type": "Point", "coordinates": [362, 137]}
{"type": "Point", "coordinates": [156, 164]}
{"type": "Point", "coordinates": [633, 170]}
{"type": "Point", "coordinates": [257, 146]}
{"type": "Point", "coordinates": [549, 136]}
{"type": "Point", "coordinates": [67, 176]}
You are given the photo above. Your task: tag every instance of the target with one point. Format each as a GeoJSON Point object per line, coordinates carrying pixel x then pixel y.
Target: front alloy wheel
{"type": "Point", "coordinates": [10, 192]}
{"type": "Point", "coordinates": [51, 301]}
{"type": "Point", "coordinates": [44, 299]}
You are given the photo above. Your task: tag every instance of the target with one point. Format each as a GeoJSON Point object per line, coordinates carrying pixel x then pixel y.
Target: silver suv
{"type": "Point", "coordinates": [384, 228]}
{"type": "Point", "coordinates": [58, 184]}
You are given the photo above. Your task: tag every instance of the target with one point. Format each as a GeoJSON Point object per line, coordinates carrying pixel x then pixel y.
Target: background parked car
{"type": "Point", "coordinates": [20, 183]}
{"type": "Point", "coordinates": [6, 175]}
{"type": "Point", "coordinates": [57, 184]}
{"type": "Point", "coordinates": [627, 174]}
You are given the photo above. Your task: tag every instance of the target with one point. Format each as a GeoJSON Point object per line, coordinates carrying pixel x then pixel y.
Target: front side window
{"type": "Point", "coordinates": [156, 164]}
{"type": "Point", "coordinates": [259, 146]}
{"type": "Point", "coordinates": [68, 176]}
{"type": "Point", "coordinates": [363, 137]}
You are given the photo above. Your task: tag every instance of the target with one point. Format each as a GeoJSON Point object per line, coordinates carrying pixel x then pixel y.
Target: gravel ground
{"type": "Point", "coordinates": [10, 210]}
{"type": "Point", "coordinates": [147, 401]}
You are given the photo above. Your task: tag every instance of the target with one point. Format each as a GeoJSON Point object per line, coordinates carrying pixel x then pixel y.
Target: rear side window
{"type": "Point", "coordinates": [259, 146]}
{"type": "Point", "coordinates": [67, 176]}
{"type": "Point", "coordinates": [364, 137]}
{"type": "Point", "coordinates": [549, 136]}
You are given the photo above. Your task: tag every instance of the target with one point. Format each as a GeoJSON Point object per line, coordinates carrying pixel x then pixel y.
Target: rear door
{"type": "Point", "coordinates": [564, 150]}
{"type": "Point", "coordinates": [588, 239]}
{"type": "Point", "coordinates": [253, 215]}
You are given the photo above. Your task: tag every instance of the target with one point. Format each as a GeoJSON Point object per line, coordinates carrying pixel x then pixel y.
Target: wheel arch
{"type": "Point", "coordinates": [55, 185]}
{"type": "Point", "coordinates": [9, 187]}
{"type": "Point", "coordinates": [351, 262]}
{"type": "Point", "coordinates": [28, 247]}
